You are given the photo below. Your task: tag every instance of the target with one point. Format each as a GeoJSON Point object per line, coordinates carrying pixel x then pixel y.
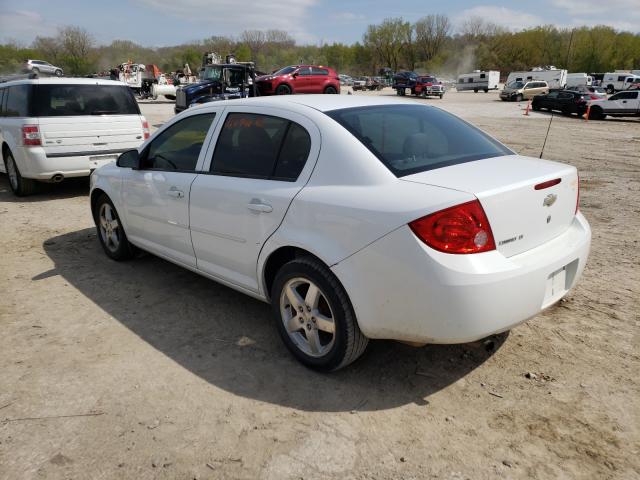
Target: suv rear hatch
{"type": "Point", "coordinates": [85, 119]}
{"type": "Point", "coordinates": [524, 204]}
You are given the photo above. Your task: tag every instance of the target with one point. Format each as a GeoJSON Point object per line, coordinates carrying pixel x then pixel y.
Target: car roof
{"type": "Point", "coordinates": [320, 102]}
{"type": "Point", "coordinates": [62, 81]}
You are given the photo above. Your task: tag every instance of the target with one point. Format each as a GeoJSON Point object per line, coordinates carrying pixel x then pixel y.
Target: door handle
{"type": "Point", "coordinates": [258, 206]}
{"type": "Point", "coordinates": [175, 193]}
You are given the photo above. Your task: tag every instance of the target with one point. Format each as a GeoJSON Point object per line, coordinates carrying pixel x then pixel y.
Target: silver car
{"type": "Point", "coordinates": [40, 66]}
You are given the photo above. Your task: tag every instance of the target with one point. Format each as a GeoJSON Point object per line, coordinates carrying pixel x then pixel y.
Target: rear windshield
{"type": "Point", "coordinates": [413, 138]}
{"type": "Point", "coordinates": [56, 100]}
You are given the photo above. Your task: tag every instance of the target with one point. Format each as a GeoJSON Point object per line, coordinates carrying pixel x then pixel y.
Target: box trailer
{"type": "Point", "coordinates": [555, 77]}
{"type": "Point", "coordinates": [478, 80]}
{"type": "Point", "coordinates": [616, 81]}
{"type": "Point", "coordinates": [579, 80]}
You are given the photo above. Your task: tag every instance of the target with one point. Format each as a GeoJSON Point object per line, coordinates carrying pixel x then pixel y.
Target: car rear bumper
{"type": "Point", "coordinates": [33, 162]}
{"type": "Point", "coordinates": [403, 290]}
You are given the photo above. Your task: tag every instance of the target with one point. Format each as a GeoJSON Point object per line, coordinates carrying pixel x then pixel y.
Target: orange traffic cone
{"type": "Point", "coordinates": [526, 110]}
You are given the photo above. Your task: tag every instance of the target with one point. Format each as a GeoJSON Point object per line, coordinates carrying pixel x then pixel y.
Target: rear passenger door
{"type": "Point", "coordinates": [261, 159]}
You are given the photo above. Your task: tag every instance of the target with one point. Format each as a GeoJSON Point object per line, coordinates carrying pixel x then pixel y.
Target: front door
{"type": "Point", "coordinates": [261, 160]}
{"type": "Point", "coordinates": [302, 81]}
{"type": "Point", "coordinates": [156, 197]}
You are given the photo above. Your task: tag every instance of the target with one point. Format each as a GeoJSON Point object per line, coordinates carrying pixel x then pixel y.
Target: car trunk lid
{"type": "Point", "coordinates": [523, 210]}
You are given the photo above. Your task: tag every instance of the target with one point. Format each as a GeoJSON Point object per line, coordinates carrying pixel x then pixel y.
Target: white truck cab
{"type": "Point", "coordinates": [617, 81]}
{"type": "Point", "coordinates": [55, 128]}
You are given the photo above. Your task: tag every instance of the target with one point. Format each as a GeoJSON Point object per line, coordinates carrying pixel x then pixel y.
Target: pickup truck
{"type": "Point", "coordinates": [622, 104]}
{"type": "Point", "coordinates": [429, 86]}
{"type": "Point", "coordinates": [423, 85]}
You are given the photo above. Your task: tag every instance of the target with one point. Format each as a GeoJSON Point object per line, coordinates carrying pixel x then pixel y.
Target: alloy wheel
{"type": "Point", "coordinates": [109, 227]}
{"type": "Point", "coordinates": [307, 317]}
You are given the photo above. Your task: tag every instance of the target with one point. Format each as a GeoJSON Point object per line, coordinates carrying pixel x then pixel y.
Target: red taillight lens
{"type": "Point", "coordinates": [145, 129]}
{"type": "Point", "coordinates": [460, 229]}
{"type": "Point", "coordinates": [31, 135]}
{"type": "Point", "coordinates": [550, 183]}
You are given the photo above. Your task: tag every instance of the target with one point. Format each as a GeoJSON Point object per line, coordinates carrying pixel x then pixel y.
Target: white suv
{"type": "Point", "coordinates": [52, 128]}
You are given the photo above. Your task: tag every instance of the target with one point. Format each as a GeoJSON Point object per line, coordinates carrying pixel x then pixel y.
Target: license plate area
{"type": "Point", "coordinates": [558, 283]}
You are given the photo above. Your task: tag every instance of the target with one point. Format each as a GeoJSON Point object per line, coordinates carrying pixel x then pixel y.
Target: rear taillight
{"type": "Point", "coordinates": [578, 197]}
{"type": "Point", "coordinates": [31, 135]}
{"type": "Point", "coordinates": [460, 229]}
{"type": "Point", "coordinates": [145, 129]}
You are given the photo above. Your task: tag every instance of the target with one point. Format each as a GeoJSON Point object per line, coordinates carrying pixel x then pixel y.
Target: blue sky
{"type": "Point", "coordinates": [170, 22]}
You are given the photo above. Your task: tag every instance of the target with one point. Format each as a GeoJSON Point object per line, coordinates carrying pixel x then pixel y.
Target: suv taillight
{"type": "Point", "coordinates": [459, 229]}
{"type": "Point", "coordinates": [31, 135]}
{"type": "Point", "coordinates": [145, 129]}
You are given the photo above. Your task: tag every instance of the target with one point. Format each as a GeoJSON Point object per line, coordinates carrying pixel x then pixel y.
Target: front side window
{"type": "Point", "coordinates": [304, 71]}
{"type": "Point", "coordinates": [55, 100]}
{"type": "Point", "coordinates": [625, 96]}
{"type": "Point", "coordinates": [17, 105]}
{"type": "Point", "coordinates": [260, 146]}
{"type": "Point", "coordinates": [409, 139]}
{"type": "Point", "coordinates": [178, 147]}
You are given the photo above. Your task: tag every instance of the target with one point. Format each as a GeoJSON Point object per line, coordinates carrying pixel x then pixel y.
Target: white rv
{"type": "Point", "coordinates": [579, 80]}
{"type": "Point", "coordinates": [616, 81]}
{"type": "Point", "coordinates": [555, 78]}
{"type": "Point", "coordinates": [478, 80]}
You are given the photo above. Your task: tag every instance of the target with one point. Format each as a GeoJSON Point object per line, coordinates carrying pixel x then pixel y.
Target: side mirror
{"type": "Point", "coordinates": [129, 159]}
{"type": "Point", "coordinates": [295, 74]}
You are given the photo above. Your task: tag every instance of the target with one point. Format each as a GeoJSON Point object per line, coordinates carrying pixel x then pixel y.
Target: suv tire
{"type": "Point", "coordinates": [283, 90]}
{"type": "Point", "coordinates": [20, 186]}
{"type": "Point", "coordinates": [330, 90]}
{"type": "Point", "coordinates": [321, 331]}
{"type": "Point", "coordinates": [58, 73]}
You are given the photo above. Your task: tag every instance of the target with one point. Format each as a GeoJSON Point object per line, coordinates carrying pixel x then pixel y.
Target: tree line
{"type": "Point", "coordinates": [428, 45]}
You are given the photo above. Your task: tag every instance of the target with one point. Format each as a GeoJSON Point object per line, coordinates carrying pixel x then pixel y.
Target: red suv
{"type": "Point", "coordinates": [299, 79]}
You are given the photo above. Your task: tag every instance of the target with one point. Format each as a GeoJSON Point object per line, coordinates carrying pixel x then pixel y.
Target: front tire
{"type": "Point", "coordinates": [58, 73]}
{"type": "Point", "coordinates": [20, 186]}
{"type": "Point", "coordinates": [314, 316]}
{"type": "Point", "coordinates": [110, 230]}
{"type": "Point", "coordinates": [283, 90]}
{"type": "Point", "coordinates": [519, 97]}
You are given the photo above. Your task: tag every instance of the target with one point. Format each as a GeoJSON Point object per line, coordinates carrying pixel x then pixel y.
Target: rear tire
{"type": "Point", "coordinates": [20, 186]}
{"type": "Point", "coordinates": [475, 90]}
{"type": "Point", "coordinates": [535, 106]}
{"type": "Point", "coordinates": [330, 90]}
{"type": "Point", "coordinates": [35, 70]}
{"type": "Point", "coordinates": [596, 113]}
{"type": "Point", "coordinates": [110, 230]}
{"type": "Point", "coordinates": [322, 331]}
{"type": "Point", "coordinates": [283, 90]}
{"type": "Point", "coordinates": [610, 89]}
{"type": "Point", "coordinates": [519, 97]}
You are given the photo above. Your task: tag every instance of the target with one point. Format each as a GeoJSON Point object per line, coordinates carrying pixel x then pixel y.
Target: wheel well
{"type": "Point", "coordinates": [286, 85]}
{"type": "Point", "coordinates": [5, 148]}
{"type": "Point", "coordinates": [277, 259]}
{"type": "Point", "coordinates": [94, 198]}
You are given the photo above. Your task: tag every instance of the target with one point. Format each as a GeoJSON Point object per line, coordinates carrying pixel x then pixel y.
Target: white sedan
{"type": "Point", "coordinates": [355, 217]}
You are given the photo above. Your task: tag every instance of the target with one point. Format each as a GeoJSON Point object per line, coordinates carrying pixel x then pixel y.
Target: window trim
{"type": "Point", "coordinates": [205, 143]}
{"type": "Point", "coordinates": [271, 177]}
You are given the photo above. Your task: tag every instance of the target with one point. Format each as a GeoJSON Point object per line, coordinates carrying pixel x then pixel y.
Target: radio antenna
{"type": "Point", "coordinates": [566, 63]}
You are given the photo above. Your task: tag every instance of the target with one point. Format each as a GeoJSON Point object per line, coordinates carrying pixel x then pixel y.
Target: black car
{"type": "Point", "coordinates": [565, 101]}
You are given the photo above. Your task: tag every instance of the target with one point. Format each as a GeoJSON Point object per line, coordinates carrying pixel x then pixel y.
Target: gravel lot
{"type": "Point", "coordinates": [145, 370]}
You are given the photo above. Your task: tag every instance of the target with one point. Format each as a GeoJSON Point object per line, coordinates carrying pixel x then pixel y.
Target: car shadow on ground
{"type": "Point", "coordinates": [229, 340]}
{"type": "Point", "coordinates": [69, 188]}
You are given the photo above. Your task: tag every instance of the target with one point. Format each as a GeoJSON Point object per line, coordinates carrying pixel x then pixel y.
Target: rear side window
{"type": "Point", "coordinates": [319, 71]}
{"type": "Point", "coordinates": [178, 147]}
{"type": "Point", "coordinates": [409, 139]}
{"type": "Point", "coordinates": [260, 146]}
{"type": "Point", "coordinates": [17, 103]}
{"type": "Point", "coordinates": [57, 100]}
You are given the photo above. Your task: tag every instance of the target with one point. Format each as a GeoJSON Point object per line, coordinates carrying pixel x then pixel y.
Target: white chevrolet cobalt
{"type": "Point", "coordinates": [355, 217]}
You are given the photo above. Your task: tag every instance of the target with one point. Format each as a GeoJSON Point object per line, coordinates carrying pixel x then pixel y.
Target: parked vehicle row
{"type": "Point", "coordinates": [256, 193]}
{"type": "Point", "coordinates": [519, 90]}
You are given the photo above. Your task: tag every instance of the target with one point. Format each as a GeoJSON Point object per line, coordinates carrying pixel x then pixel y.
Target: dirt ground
{"type": "Point", "coordinates": [145, 370]}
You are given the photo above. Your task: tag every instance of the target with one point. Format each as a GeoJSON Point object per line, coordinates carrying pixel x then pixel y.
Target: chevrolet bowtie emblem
{"type": "Point", "coordinates": [549, 200]}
